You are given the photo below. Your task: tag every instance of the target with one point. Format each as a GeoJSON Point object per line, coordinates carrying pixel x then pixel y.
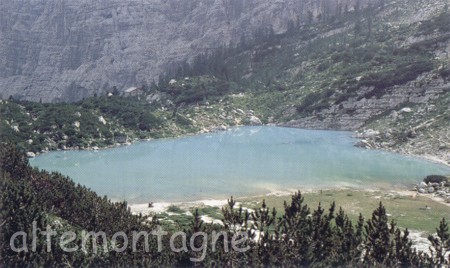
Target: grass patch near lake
{"type": "Point", "coordinates": [407, 211]}
{"type": "Point", "coordinates": [175, 209]}
{"type": "Point", "coordinates": [212, 212]}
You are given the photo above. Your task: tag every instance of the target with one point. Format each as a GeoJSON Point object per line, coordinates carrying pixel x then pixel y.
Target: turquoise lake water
{"type": "Point", "coordinates": [241, 161]}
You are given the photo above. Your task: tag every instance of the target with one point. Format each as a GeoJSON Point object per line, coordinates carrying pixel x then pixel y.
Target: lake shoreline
{"type": "Point", "coordinates": [209, 130]}
{"type": "Point", "coordinates": [270, 159]}
{"type": "Point", "coordinates": [162, 206]}
{"type": "Point", "coordinates": [431, 158]}
{"type": "Point", "coordinates": [214, 129]}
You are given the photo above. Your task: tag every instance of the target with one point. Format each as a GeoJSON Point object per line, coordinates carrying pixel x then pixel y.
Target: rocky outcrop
{"type": "Point", "coordinates": [254, 121]}
{"type": "Point", "coordinates": [355, 112]}
{"type": "Point", "coordinates": [67, 50]}
{"type": "Point", "coordinates": [440, 190]}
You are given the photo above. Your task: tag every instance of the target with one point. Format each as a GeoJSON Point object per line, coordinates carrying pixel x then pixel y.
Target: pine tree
{"type": "Point", "coordinates": [440, 244]}
{"type": "Point", "coordinates": [377, 243]}
{"type": "Point", "coordinates": [322, 234]}
{"type": "Point", "coordinates": [404, 253]}
{"type": "Point", "coordinates": [346, 241]}
{"type": "Point", "coordinates": [296, 225]}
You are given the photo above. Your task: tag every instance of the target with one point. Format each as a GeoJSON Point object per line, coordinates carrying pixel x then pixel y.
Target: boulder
{"type": "Point", "coordinates": [443, 147]}
{"type": "Point", "coordinates": [394, 115]}
{"type": "Point", "coordinates": [441, 193]}
{"type": "Point", "coordinates": [31, 154]}
{"type": "Point", "coordinates": [156, 96]}
{"type": "Point", "coordinates": [431, 190]}
{"type": "Point", "coordinates": [422, 185]}
{"type": "Point", "coordinates": [255, 121]}
{"type": "Point", "coordinates": [370, 133]}
{"type": "Point", "coordinates": [102, 120]}
{"type": "Point", "coordinates": [364, 144]}
{"type": "Point", "coordinates": [406, 110]}
{"type": "Point", "coordinates": [422, 190]}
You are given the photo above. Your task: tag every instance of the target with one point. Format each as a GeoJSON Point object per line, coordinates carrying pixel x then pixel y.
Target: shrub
{"type": "Point", "coordinates": [445, 73]}
{"type": "Point", "coordinates": [435, 179]}
{"type": "Point", "coordinates": [323, 66]}
{"type": "Point", "coordinates": [308, 101]}
{"type": "Point", "coordinates": [175, 209]}
{"type": "Point", "coordinates": [441, 23]}
{"type": "Point", "coordinates": [403, 73]}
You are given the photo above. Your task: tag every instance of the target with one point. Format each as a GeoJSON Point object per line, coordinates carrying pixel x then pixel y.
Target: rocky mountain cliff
{"type": "Point", "coordinates": [59, 50]}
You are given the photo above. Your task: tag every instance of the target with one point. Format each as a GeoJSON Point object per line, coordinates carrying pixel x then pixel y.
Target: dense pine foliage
{"type": "Point", "coordinates": [95, 121]}
{"type": "Point", "coordinates": [295, 237]}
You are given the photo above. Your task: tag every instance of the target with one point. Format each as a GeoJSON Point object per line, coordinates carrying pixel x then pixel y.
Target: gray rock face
{"type": "Point", "coordinates": [66, 50]}
{"type": "Point", "coordinates": [255, 121]}
{"type": "Point", "coordinates": [353, 113]}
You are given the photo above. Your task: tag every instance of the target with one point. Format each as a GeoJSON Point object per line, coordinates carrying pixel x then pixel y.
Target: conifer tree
{"type": "Point", "coordinates": [377, 242]}
{"type": "Point", "coordinates": [440, 244]}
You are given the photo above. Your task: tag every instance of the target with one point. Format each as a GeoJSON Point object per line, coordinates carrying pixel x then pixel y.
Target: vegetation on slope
{"type": "Point", "coordinates": [324, 64]}
{"type": "Point", "coordinates": [107, 120]}
{"type": "Point", "coordinates": [92, 122]}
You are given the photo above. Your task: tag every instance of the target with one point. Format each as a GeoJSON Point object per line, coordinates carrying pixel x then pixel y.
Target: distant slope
{"type": "Point", "coordinates": [343, 72]}
{"type": "Point", "coordinates": [62, 50]}
{"type": "Point", "coordinates": [354, 71]}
